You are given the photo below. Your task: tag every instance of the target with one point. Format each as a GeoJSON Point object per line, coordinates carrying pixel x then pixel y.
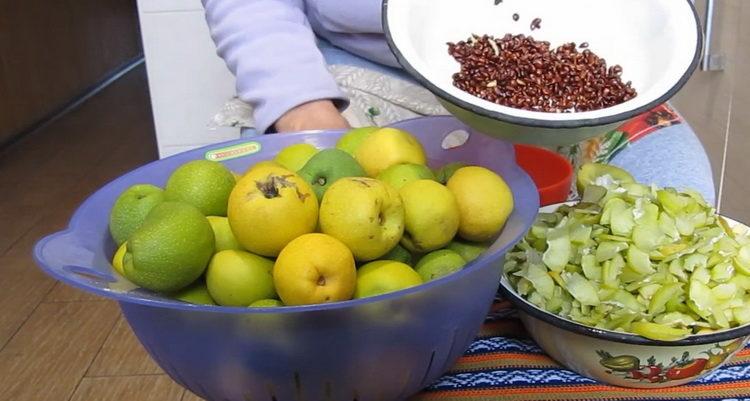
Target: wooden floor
{"type": "Point", "coordinates": [57, 343]}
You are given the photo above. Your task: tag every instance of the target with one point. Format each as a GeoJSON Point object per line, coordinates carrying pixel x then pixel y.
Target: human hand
{"type": "Point", "coordinates": [315, 115]}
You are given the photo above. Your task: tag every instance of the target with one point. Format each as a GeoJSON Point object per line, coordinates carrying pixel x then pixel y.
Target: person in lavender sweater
{"type": "Point", "coordinates": [287, 57]}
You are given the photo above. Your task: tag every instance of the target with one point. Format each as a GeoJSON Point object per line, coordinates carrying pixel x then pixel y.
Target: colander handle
{"type": "Point", "coordinates": [65, 257]}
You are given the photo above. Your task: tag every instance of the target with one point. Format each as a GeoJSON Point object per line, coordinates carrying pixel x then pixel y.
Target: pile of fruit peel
{"type": "Point", "coordinates": [310, 226]}
{"type": "Point", "coordinates": [655, 262]}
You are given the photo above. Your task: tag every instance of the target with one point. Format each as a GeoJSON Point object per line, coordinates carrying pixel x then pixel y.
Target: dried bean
{"type": "Point", "coordinates": [518, 71]}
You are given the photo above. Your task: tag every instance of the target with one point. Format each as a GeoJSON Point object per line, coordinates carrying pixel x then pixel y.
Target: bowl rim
{"type": "Point", "coordinates": [75, 221]}
{"type": "Point", "coordinates": [541, 123]}
{"type": "Point", "coordinates": [564, 163]}
{"type": "Point", "coordinates": [609, 335]}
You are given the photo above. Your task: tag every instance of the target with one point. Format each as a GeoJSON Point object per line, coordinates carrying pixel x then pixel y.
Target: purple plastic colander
{"type": "Point", "coordinates": [381, 348]}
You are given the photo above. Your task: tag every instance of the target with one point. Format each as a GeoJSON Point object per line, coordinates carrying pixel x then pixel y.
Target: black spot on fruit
{"type": "Point", "coordinates": [268, 188]}
{"type": "Point", "coordinates": [271, 186]}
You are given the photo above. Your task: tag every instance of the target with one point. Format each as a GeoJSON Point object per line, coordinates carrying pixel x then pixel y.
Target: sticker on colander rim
{"type": "Point", "coordinates": [233, 152]}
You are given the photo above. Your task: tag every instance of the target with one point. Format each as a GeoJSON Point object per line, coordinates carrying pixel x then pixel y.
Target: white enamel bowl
{"type": "Point", "coordinates": [624, 359]}
{"type": "Point", "coordinates": [657, 43]}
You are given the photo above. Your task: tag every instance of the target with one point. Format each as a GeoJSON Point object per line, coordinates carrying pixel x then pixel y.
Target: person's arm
{"type": "Point", "coordinates": [270, 48]}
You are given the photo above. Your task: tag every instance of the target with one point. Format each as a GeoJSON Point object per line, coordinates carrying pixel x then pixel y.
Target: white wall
{"type": "Point", "coordinates": [188, 82]}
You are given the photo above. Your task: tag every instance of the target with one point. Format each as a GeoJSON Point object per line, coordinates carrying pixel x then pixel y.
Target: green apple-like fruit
{"type": "Point", "coordinates": [363, 213]}
{"type": "Point", "coordinates": [225, 239]}
{"type": "Point", "coordinates": [438, 264]}
{"type": "Point", "coordinates": [431, 216]}
{"type": "Point", "coordinates": [350, 141]}
{"type": "Point", "coordinates": [468, 250]}
{"type": "Point", "coordinates": [204, 184]}
{"type": "Point", "coordinates": [266, 303]}
{"type": "Point", "coordinates": [171, 249]}
{"type": "Point", "coordinates": [293, 157]}
{"type": "Point", "coordinates": [131, 209]}
{"type": "Point", "coordinates": [328, 166]}
{"type": "Point", "coordinates": [196, 293]}
{"type": "Point", "coordinates": [399, 254]}
{"type": "Point", "coordinates": [485, 201]}
{"type": "Point", "coordinates": [445, 172]}
{"type": "Point", "coordinates": [387, 147]}
{"type": "Point", "coordinates": [399, 175]}
{"type": "Point", "coordinates": [239, 278]}
{"type": "Point", "coordinates": [384, 276]}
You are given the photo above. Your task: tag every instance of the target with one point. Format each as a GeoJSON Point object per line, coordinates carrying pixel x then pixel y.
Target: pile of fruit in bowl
{"type": "Point", "coordinates": [309, 226]}
{"type": "Point", "coordinates": [276, 222]}
{"type": "Point", "coordinates": [631, 274]}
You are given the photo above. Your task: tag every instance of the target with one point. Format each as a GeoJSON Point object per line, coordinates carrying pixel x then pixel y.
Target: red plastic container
{"type": "Point", "coordinates": [552, 173]}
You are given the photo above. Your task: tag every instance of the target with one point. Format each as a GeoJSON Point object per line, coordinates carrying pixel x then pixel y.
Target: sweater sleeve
{"type": "Point", "coordinates": [270, 48]}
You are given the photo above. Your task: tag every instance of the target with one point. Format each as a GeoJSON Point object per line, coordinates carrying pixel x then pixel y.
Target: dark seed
{"type": "Point", "coordinates": [536, 24]}
{"type": "Point", "coordinates": [516, 17]}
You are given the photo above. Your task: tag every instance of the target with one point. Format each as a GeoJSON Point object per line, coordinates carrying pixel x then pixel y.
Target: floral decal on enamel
{"type": "Point", "coordinates": [686, 366]}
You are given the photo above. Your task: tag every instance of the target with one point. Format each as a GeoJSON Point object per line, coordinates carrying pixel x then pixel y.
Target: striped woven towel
{"type": "Point", "coordinates": [503, 363]}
